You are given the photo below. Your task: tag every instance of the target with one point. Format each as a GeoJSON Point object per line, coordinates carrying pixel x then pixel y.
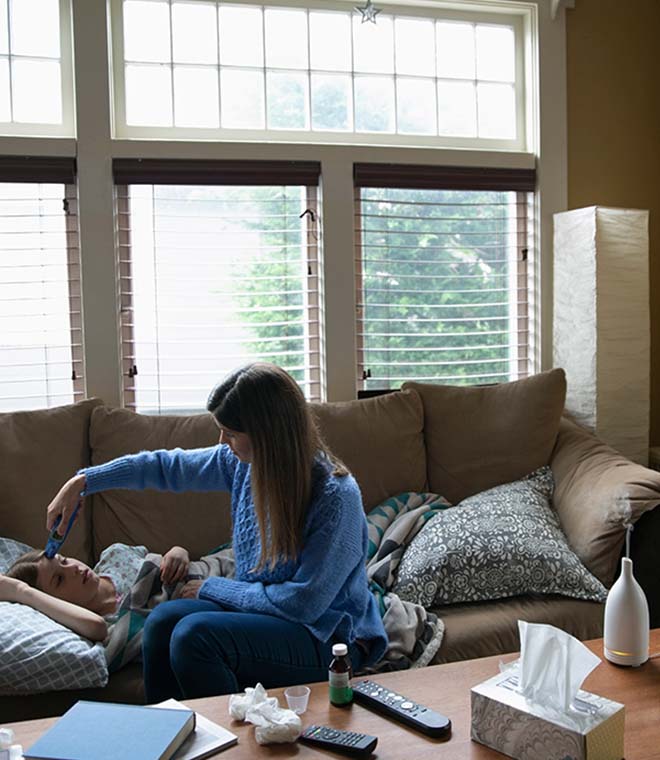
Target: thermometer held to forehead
{"type": "Point", "coordinates": [56, 539]}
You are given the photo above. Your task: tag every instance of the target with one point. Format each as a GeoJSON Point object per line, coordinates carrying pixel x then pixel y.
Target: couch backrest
{"type": "Point", "coordinates": [198, 521]}
{"type": "Point", "coordinates": [380, 440]}
{"type": "Point", "coordinates": [478, 437]}
{"type": "Point", "coordinates": [39, 451]}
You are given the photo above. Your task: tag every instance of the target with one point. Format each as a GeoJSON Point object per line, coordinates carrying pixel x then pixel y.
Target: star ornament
{"type": "Point", "coordinates": [368, 11]}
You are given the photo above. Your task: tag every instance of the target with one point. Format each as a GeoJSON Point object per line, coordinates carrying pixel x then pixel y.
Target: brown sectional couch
{"type": "Point", "coordinates": [454, 441]}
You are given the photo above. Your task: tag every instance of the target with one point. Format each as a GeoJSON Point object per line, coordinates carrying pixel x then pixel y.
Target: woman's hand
{"type": "Point", "coordinates": [67, 499]}
{"type": "Point", "coordinates": [174, 566]}
{"type": "Point", "coordinates": [190, 590]}
{"type": "Point", "coordinates": [11, 589]}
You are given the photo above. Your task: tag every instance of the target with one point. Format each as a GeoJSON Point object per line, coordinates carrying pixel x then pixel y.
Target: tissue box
{"type": "Point", "coordinates": [507, 722]}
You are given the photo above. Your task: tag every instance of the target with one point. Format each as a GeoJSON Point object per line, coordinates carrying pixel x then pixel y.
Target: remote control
{"type": "Point", "coordinates": [346, 742]}
{"type": "Point", "coordinates": [398, 707]}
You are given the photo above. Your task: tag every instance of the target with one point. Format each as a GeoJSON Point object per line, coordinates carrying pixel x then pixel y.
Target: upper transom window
{"type": "Point", "coordinates": [36, 81]}
{"type": "Point", "coordinates": [417, 76]}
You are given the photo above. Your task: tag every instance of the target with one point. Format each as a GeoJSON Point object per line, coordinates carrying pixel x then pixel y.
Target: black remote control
{"type": "Point", "coordinates": [346, 742]}
{"type": "Point", "coordinates": [398, 707]}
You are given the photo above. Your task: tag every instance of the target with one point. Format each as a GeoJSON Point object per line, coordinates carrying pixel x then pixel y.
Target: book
{"type": "Point", "coordinates": [207, 738]}
{"type": "Point", "coordinates": [111, 731]}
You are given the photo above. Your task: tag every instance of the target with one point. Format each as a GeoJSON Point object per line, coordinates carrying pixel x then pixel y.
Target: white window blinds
{"type": "Point", "coordinates": [41, 360]}
{"type": "Point", "coordinates": [445, 276]}
{"type": "Point", "coordinates": [218, 266]}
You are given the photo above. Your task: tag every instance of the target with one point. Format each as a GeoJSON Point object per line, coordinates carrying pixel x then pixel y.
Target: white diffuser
{"type": "Point", "coordinates": [626, 640]}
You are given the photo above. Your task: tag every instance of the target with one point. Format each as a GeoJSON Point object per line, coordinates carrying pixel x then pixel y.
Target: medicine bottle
{"type": "Point", "coordinates": [340, 673]}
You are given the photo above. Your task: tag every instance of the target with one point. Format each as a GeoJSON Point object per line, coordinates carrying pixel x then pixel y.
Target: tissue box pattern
{"type": "Point", "coordinates": [503, 720]}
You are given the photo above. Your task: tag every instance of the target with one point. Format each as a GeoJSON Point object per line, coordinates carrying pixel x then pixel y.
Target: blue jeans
{"type": "Point", "coordinates": [196, 648]}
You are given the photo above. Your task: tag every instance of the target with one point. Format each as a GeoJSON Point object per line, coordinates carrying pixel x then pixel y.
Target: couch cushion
{"type": "Point", "coordinates": [482, 629]}
{"type": "Point", "coordinates": [158, 520]}
{"type": "Point", "coordinates": [479, 437]}
{"type": "Point", "coordinates": [380, 440]}
{"type": "Point", "coordinates": [126, 685]}
{"type": "Point", "coordinates": [505, 541]}
{"type": "Point", "coordinates": [597, 490]}
{"type": "Point", "coordinates": [39, 451]}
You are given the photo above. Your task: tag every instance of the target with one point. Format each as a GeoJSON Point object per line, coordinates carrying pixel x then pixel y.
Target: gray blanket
{"type": "Point", "coordinates": [414, 634]}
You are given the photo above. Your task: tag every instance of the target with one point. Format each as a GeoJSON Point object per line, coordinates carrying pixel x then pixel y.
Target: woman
{"type": "Point", "coordinates": [299, 539]}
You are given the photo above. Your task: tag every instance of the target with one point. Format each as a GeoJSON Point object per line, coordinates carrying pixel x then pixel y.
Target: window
{"type": "Point", "coordinates": [218, 267]}
{"type": "Point", "coordinates": [445, 265]}
{"type": "Point", "coordinates": [419, 76]}
{"type": "Point", "coordinates": [36, 90]}
{"type": "Point", "coordinates": [41, 361]}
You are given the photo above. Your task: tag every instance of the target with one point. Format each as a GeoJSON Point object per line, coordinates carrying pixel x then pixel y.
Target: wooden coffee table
{"type": "Point", "coordinates": [445, 688]}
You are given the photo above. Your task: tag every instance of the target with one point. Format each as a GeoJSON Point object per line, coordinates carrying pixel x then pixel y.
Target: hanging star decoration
{"type": "Point", "coordinates": [368, 11]}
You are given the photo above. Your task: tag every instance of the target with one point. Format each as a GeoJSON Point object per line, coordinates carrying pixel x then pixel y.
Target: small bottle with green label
{"type": "Point", "coordinates": [340, 673]}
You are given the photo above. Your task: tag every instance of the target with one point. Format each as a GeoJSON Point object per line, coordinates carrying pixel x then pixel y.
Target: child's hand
{"type": "Point", "coordinates": [191, 589]}
{"type": "Point", "coordinates": [174, 566]}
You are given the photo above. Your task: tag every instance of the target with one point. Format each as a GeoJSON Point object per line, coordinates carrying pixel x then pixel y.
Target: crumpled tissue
{"type": "Point", "coordinates": [553, 665]}
{"type": "Point", "coordinates": [274, 724]}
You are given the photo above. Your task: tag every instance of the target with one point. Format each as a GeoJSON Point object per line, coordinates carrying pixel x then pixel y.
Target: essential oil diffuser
{"type": "Point", "coordinates": [626, 640]}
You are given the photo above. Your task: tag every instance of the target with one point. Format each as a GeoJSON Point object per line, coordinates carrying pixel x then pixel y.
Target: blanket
{"type": "Point", "coordinates": [414, 634]}
{"type": "Point", "coordinates": [124, 641]}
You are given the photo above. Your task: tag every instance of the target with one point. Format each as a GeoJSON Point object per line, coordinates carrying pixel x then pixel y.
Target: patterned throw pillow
{"type": "Point", "coordinates": [36, 653]}
{"type": "Point", "coordinates": [502, 542]}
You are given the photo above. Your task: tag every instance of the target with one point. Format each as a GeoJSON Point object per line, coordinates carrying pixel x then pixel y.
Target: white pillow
{"type": "Point", "coordinates": [36, 653]}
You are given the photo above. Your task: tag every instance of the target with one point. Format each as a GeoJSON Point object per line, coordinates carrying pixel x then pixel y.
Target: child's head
{"type": "Point", "coordinates": [62, 577]}
{"type": "Point", "coordinates": [25, 568]}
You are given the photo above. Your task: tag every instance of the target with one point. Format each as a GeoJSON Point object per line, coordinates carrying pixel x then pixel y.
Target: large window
{"type": "Point", "coordinates": [444, 276]}
{"type": "Point", "coordinates": [36, 89]}
{"type": "Point", "coordinates": [213, 276]}
{"type": "Point", "coordinates": [41, 362]}
{"type": "Point", "coordinates": [416, 75]}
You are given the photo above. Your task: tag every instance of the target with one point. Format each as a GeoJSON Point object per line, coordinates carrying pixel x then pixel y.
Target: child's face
{"type": "Point", "coordinates": [68, 579]}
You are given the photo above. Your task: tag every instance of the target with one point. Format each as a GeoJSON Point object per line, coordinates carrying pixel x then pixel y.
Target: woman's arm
{"type": "Point", "coordinates": [178, 470]}
{"type": "Point", "coordinates": [78, 619]}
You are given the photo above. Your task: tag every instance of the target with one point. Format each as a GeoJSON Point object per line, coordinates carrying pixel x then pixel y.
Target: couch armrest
{"type": "Point", "coordinates": [594, 486]}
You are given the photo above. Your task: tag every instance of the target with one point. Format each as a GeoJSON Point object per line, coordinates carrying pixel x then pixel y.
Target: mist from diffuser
{"type": "Point", "coordinates": [626, 636]}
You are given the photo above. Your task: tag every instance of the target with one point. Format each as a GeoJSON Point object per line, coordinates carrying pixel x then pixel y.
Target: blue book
{"type": "Point", "coordinates": [110, 731]}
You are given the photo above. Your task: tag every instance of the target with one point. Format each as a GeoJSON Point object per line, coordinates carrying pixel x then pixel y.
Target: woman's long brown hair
{"type": "Point", "coordinates": [265, 402]}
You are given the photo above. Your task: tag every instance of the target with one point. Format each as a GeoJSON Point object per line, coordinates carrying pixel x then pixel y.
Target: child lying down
{"type": "Point", "coordinates": [110, 602]}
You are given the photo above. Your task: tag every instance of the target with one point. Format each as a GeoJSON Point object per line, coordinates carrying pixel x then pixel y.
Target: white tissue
{"type": "Point", "coordinates": [553, 665]}
{"type": "Point", "coordinates": [239, 704]}
{"type": "Point", "coordinates": [274, 724]}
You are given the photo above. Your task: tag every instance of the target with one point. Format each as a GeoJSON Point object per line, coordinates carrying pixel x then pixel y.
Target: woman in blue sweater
{"type": "Point", "coordinates": [299, 539]}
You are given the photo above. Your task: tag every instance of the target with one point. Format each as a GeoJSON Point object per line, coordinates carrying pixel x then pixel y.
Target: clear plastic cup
{"type": "Point", "coordinates": [297, 698]}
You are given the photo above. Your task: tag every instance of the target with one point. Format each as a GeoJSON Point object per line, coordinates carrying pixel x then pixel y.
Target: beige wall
{"type": "Point", "coordinates": [613, 75]}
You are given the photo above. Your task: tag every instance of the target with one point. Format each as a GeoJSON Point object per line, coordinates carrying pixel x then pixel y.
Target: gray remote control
{"type": "Point", "coordinates": [346, 742]}
{"type": "Point", "coordinates": [402, 709]}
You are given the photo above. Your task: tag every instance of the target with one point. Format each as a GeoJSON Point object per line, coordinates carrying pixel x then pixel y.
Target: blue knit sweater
{"type": "Point", "coordinates": [325, 589]}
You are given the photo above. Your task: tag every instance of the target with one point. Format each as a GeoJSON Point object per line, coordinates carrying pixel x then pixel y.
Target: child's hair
{"type": "Point", "coordinates": [266, 403]}
{"type": "Point", "coordinates": [25, 567]}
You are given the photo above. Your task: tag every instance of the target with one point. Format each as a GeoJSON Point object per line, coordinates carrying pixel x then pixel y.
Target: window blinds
{"type": "Point", "coordinates": [445, 267]}
{"type": "Point", "coordinates": [41, 359]}
{"type": "Point", "coordinates": [215, 272]}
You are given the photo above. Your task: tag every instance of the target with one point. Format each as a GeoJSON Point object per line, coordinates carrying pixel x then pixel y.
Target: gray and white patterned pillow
{"type": "Point", "coordinates": [499, 543]}
{"type": "Point", "coordinates": [36, 653]}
